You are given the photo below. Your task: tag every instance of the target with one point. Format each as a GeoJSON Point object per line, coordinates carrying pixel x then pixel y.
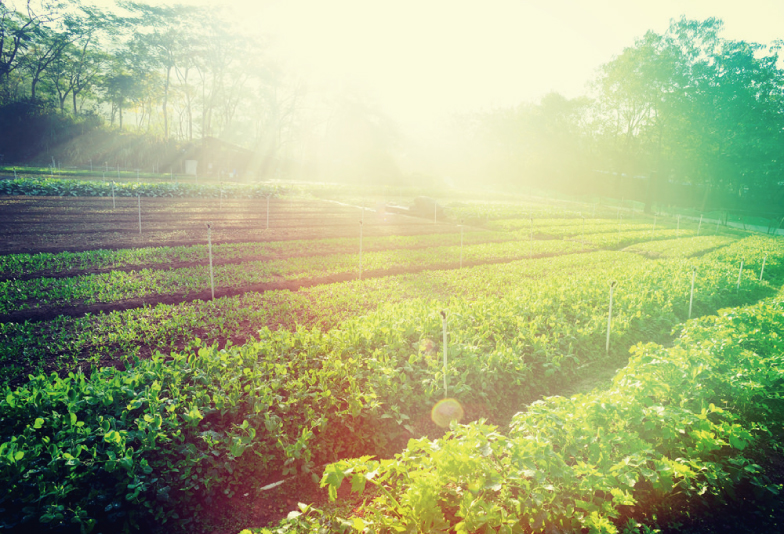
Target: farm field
{"type": "Point", "coordinates": [134, 398]}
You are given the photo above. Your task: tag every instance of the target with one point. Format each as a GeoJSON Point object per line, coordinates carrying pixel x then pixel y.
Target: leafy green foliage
{"type": "Point", "coordinates": [85, 188]}
{"type": "Point", "coordinates": [673, 426]}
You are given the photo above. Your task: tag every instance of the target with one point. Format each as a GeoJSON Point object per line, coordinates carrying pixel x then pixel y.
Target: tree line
{"type": "Point", "coordinates": [685, 116]}
{"type": "Point", "coordinates": [682, 117]}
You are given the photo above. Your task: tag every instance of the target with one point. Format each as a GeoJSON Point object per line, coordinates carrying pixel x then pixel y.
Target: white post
{"type": "Point", "coordinates": [140, 212]}
{"type": "Point", "coordinates": [14, 173]}
{"type": "Point", "coordinates": [443, 320]}
{"type": "Point", "coordinates": [209, 250]}
{"type": "Point", "coordinates": [435, 213]}
{"type": "Point", "coordinates": [699, 225]}
{"type": "Point", "coordinates": [360, 250]}
{"type": "Point", "coordinates": [268, 198]}
{"type": "Point", "coordinates": [740, 273]}
{"type": "Point", "coordinates": [763, 266]}
{"type": "Point", "coordinates": [609, 317]}
{"type": "Point", "coordinates": [691, 295]}
{"type": "Point", "coordinates": [114, 205]}
{"type": "Point", "coordinates": [461, 245]}
{"type": "Point", "coordinates": [531, 240]}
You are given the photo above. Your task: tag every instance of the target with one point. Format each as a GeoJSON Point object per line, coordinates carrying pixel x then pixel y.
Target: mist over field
{"type": "Point", "coordinates": [637, 103]}
{"type": "Point", "coordinates": [429, 266]}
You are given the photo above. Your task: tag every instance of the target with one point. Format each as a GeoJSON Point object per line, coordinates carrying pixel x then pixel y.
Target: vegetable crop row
{"type": "Point", "coordinates": [681, 248]}
{"type": "Point", "coordinates": [70, 342]}
{"type": "Point", "coordinates": [88, 188]}
{"type": "Point", "coordinates": [675, 428]}
{"type": "Point", "coordinates": [119, 285]}
{"type": "Point", "coordinates": [159, 440]}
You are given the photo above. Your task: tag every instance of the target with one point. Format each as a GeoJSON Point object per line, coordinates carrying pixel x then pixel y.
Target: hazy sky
{"type": "Point", "coordinates": [424, 58]}
{"type": "Point", "coordinates": [421, 59]}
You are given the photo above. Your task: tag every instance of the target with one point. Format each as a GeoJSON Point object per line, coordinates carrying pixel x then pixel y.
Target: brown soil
{"type": "Point", "coordinates": [57, 224]}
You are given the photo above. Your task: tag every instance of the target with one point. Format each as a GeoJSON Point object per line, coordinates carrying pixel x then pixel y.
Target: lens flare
{"type": "Point", "coordinates": [446, 411]}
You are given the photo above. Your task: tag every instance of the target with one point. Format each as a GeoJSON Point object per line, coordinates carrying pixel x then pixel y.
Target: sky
{"type": "Point", "coordinates": [421, 60]}
{"type": "Point", "coordinates": [424, 59]}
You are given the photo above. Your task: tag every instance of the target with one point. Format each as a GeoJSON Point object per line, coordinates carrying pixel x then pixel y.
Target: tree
{"type": "Point", "coordinates": [694, 107]}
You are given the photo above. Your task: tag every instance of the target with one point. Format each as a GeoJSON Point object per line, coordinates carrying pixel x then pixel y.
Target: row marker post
{"type": "Point", "coordinates": [443, 321]}
{"type": "Point", "coordinates": [609, 318]}
{"type": "Point", "coordinates": [209, 249]}
{"type": "Point", "coordinates": [360, 250]}
{"type": "Point", "coordinates": [691, 295]}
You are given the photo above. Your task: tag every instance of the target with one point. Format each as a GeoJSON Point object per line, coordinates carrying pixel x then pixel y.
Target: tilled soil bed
{"type": "Point", "coordinates": [57, 224]}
